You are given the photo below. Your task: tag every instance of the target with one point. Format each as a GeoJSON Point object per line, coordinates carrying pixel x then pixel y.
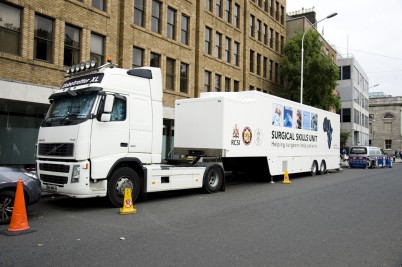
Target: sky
{"type": "Point", "coordinates": [368, 30]}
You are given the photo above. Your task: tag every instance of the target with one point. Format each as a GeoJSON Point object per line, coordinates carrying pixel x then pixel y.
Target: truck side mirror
{"type": "Point", "coordinates": [108, 106]}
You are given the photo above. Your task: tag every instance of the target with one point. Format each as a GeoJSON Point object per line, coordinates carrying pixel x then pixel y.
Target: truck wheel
{"type": "Point", "coordinates": [6, 206]}
{"type": "Point", "coordinates": [314, 168]}
{"type": "Point", "coordinates": [323, 167]}
{"type": "Point", "coordinates": [121, 179]}
{"type": "Point", "coordinates": [213, 179]}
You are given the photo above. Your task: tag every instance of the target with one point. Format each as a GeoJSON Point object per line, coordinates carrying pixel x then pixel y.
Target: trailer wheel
{"type": "Point", "coordinates": [121, 179]}
{"type": "Point", "coordinates": [213, 179]}
{"type": "Point", "coordinates": [323, 167]}
{"type": "Point", "coordinates": [314, 168]}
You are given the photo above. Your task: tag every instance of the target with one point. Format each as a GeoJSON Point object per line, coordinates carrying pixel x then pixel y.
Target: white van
{"type": "Point", "coordinates": [366, 156]}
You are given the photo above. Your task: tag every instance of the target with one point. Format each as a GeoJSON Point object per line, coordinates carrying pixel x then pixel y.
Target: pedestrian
{"type": "Point", "coordinates": [395, 154]}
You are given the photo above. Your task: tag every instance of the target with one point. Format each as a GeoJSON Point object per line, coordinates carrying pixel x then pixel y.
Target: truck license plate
{"type": "Point", "coordinates": [51, 188]}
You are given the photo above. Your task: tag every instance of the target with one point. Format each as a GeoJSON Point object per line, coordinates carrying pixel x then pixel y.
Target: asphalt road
{"type": "Point", "coordinates": [351, 218]}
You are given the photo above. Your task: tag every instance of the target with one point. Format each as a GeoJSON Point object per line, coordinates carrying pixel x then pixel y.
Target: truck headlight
{"type": "Point", "coordinates": [75, 178]}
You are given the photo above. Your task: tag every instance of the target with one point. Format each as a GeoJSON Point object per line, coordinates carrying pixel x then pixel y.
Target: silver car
{"type": "Point", "coordinates": [8, 184]}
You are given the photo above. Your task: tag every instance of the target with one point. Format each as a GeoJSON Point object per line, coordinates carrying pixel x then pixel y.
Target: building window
{"type": "Point", "coordinates": [10, 29]}
{"type": "Point", "coordinates": [388, 116]}
{"type": "Point", "coordinates": [139, 10]}
{"type": "Point", "coordinates": [171, 23]}
{"type": "Point", "coordinates": [155, 60]}
{"type": "Point", "coordinates": [138, 57]}
{"type": "Point", "coordinates": [97, 48]}
{"type": "Point", "coordinates": [346, 115]}
{"type": "Point", "coordinates": [236, 86]}
{"type": "Point", "coordinates": [265, 67]}
{"type": "Point", "coordinates": [277, 11]}
{"type": "Point", "coordinates": [346, 73]}
{"type": "Point", "coordinates": [228, 11]}
{"type": "Point", "coordinates": [207, 81]}
{"type": "Point", "coordinates": [208, 5]}
{"type": "Point", "coordinates": [271, 38]}
{"type": "Point", "coordinates": [99, 4]}
{"type": "Point", "coordinates": [43, 47]}
{"type": "Point", "coordinates": [265, 5]}
{"type": "Point", "coordinates": [276, 72]}
{"type": "Point", "coordinates": [282, 15]}
{"type": "Point", "coordinates": [271, 9]}
{"type": "Point", "coordinates": [184, 78]}
{"type": "Point", "coordinates": [252, 26]}
{"type": "Point", "coordinates": [271, 66]}
{"type": "Point", "coordinates": [156, 16]}
{"type": "Point", "coordinates": [185, 21]}
{"type": "Point", "coordinates": [258, 64]}
{"type": "Point", "coordinates": [282, 44]}
{"type": "Point", "coordinates": [276, 41]}
{"type": "Point", "coordinates": [218, 10]}
{"type": "Point", "coordinates": [72, 44]}
{"type": "Point", "coordinates": [251, 61]}
{"type": "Point", "coordinates": [227, 49]}
{"type": "Point", "coordinates": [388, 144]}
{"type": "Point", "coordinates": [227, 84]}
{"type": "Point", "coordinates": [237, 16]}
{"type": "Point", "coordinates": [236, 48]}
{"type": "Point", "coordinates": [218, 79]}
{"type": "Point", "coordinates": [265, 34]}
{"type": "Point", "coordinates": [170, 73]}
{"type": "Point", "coordinates": [259, 30]}
{"type": "Point", "coordinates": [218, 45]}
{"type": "Point", "coordinates": [208, 32]}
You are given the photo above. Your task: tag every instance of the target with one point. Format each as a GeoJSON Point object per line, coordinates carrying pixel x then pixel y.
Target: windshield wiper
{"type": "Point", "coordinates": [69, 116]}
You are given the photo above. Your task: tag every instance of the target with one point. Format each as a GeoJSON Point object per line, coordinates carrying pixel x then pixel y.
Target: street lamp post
{"type": "Point", "coordinates": [302, 53]}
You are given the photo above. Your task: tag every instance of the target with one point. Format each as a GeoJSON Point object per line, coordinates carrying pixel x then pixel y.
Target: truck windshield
{"type": "Point", "coordinates": [70, 109]}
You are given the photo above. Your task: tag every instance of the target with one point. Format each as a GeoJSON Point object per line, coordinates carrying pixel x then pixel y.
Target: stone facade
{"type": "Point", "coordinates": [385, 123]}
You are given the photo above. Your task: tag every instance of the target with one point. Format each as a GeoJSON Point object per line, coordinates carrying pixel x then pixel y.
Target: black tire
{"type": "Point", "coordinates": [6, 206]}
{"type": "Point", "coordinates": [314, 169]}
{"type": "Point", "coordinates": [121, 179]}
{"type": "Point", "coordinates": [323, 168]}
{"type": "Point", "coordinates": [213, 179]}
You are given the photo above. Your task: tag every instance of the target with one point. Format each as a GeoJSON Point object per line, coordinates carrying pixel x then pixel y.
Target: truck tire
{"type": "Point", "coordinates": [323, 167]}
{"type": "Point", "coordinates": [6, 206]}
{"type": "Point", "coordinates": [121, 179]}
{"type": "Point", "coordinates": [314, 168]}
{"type": "Point", "coordinates": [213, 179]}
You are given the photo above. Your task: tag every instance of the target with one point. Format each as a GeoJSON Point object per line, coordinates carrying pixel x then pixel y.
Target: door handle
{"type": "Point", "coordinates": [124, 144]}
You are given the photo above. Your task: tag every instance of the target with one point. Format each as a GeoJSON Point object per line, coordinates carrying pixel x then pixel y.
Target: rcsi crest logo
{"type": "Point", "coordinates": [247, 136]}
{"type": "Point", "coordinates": [235, 136]}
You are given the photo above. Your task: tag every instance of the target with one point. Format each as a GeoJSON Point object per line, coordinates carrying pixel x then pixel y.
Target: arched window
{"type": "Point", "coordinates": [388, 116]}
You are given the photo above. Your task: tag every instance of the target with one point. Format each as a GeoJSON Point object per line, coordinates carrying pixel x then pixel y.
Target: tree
{"type": "Point", "coordinates": [320, 73]}
{"type": "Point", "coordinates": [344, 138]}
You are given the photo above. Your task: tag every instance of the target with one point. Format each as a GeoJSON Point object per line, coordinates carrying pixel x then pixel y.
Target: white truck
{"type": "Point", "coordinates": [103, 133]}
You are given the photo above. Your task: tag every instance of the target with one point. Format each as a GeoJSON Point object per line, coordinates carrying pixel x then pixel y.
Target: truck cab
{"type": "Point", "coordinates": [103, 134]}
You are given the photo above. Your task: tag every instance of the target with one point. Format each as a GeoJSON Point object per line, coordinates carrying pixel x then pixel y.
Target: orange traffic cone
{"type": "Point", "coordinates": [19, 220]}
{"type": "Point", "coordinates": [286, 178]}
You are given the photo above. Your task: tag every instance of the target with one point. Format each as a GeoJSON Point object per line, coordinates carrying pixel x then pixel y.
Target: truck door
{"type": "Point", "coordinates": [109, 140]}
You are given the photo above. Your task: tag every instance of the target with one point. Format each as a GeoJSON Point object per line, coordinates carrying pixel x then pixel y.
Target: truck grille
{"type": "Point", "coordinates": [53, 179]}
{"type": "Point", "coordinates": [54, 167]}
{"type": "Point", "coordinates": [56, 150]}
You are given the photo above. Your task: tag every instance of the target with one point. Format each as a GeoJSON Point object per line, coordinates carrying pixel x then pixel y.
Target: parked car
{"type": "Point", "coordinates": [8, 184]}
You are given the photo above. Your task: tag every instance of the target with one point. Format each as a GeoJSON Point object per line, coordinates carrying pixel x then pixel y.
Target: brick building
{"type": "Point", "coordinates": [209, 45]}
